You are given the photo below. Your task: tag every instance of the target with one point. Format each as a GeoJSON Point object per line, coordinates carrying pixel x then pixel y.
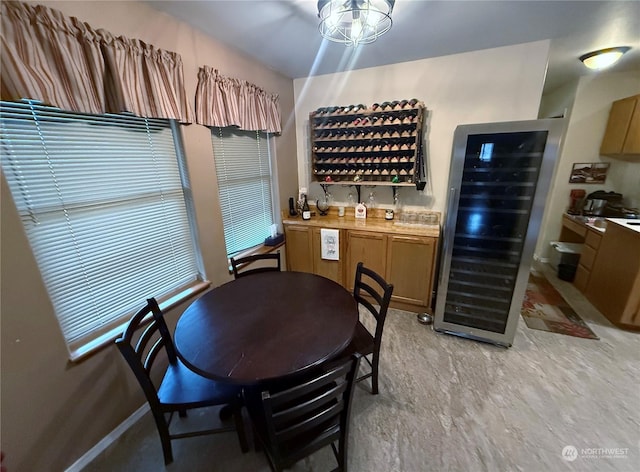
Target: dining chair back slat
{"type": "Point", "coordinates": [180, 389]}
{"type": "Point", "coordinates": [238, 265]}
{"type": "Point", "coordinates": [370, 285]}
{"type": "Point", "coordinates": [309, 415]}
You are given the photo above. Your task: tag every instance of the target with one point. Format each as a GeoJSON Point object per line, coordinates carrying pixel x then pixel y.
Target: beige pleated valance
{"type": "Point", "coordinates": [223, 101]}
{"type": "Point", "coordinates": [64, 62]}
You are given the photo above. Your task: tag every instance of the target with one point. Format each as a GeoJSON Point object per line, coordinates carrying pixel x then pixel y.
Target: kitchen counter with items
{"type": "Point", "coordinates": [428, 227]}
{"type": "Point", "coordinates": [402, 250]}
{"type": "Point", "coordinates": [608, 273]}
{"type": "Point", "coordinates": [580, 224]}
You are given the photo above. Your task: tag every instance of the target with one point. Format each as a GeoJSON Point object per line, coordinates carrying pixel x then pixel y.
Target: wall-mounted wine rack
{"type": "Point", "coordinates": [377, 145]}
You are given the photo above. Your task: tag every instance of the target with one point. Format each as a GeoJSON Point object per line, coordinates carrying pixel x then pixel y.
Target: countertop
{"type": "Point", "coordinates": [378, 225]}
{"type": "Point", "coordinates": [599, 223]}
{"type": "Point", "coordinates": [595, 222]}
{"type": "Point", "coordinates": [632, 225]}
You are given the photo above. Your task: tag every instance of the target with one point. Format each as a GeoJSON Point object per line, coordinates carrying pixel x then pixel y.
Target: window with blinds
{"type": "Point", "coordinates": [243, 166]}
{"type": "Point", "coordinates": [104, 201]}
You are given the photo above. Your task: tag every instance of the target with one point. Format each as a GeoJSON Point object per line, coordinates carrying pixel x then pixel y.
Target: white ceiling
{"type": "Point", "coordinates": [283, 34]}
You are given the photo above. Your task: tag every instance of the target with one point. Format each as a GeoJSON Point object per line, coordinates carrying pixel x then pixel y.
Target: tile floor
{"type": "Point", "coordinates": [451, 404]}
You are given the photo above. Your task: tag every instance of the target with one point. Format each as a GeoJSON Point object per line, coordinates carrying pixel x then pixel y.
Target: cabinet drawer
{"type": "Point", "coordinates": [574, 227]}
{"type": "Point", "coordinates": [582, 278]}
{"type": "Point", "coordinates": [587, 257]}
{"type": "Point", "coordinates": [593, 239]}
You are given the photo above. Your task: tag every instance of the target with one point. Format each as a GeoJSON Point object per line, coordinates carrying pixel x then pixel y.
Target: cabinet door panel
{"type": "Point", "coordinates": [410, 268]}
{"type": "Point", "coordinates": [593, 239]}
{"type": "Point", "coordinates": [326, 268]}
{"type": "Point", "coordinates": [632, 141]}
{"type": "Point", "coordinates": [298, 245]}
{"type": "Point", "coordinates": [615, 271]}
{"type": "Point", "coordinates": [582, 278]}
{"type": "Point", "coordinates": [587, 257]}
{"type": "Point", "coordinates": [617, 126]}
{"type": "Point", "coordinates": [369, 248]}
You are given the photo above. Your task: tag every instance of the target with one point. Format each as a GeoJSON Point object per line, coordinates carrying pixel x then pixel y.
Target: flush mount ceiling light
{"type": "Point", "coordinates": [603, 58]}
{"type": "Point", "coordinates": [354, 22]}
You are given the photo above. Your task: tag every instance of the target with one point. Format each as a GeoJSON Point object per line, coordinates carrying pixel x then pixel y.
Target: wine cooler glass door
{"type": "Point", "coordinates": [490, 230]}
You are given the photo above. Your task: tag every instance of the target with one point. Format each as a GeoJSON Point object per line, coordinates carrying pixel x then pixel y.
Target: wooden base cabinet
{"type": "Point", "coordinates": [614, 284]}
{"type": "Point", "coordinates": [587, 258]}
{"type": "Point", "coordinates": [410, 266]}
{"type": "Point", "coordinates": [303, 245]}
{"type": "Point", "coordinates": [299, 248]}
{"type": "Point", "coordinates": [368, 248]}
{"type": "Point", "coordinates": [327, 268]}
{"type": "Point", "coordinates": [404, 260]}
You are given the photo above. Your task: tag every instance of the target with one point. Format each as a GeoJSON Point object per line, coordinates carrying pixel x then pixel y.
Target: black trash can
{"type": "Point", "coordinates": [567, 272]}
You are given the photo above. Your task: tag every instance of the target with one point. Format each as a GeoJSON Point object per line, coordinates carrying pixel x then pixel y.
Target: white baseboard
{"type": "Point", "coordinates": [105, 442]}
{"type": "Point", "coordinates": [537, 258]}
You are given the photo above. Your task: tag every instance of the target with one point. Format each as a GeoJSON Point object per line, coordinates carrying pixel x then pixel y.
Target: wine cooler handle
{"type": "Point", "coordinates": [447, 239]}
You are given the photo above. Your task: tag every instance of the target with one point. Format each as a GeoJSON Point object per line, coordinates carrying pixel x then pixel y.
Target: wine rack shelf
{"type": "Point", "coordinates": [380, 145]}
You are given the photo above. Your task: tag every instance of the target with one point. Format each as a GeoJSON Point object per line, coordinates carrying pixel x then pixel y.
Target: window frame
{"type": "Point", "coordinates": [269, 139]}
{"type": "Point", "coordinates": [103, 334]}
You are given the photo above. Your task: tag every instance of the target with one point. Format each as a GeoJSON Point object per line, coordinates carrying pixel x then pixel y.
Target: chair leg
{"type": "Point", "coordinates": [340, 454]}
{"type": "Point", "coordinates": [371, 374]}
{"type": "Point", "coordinates": [256, 439]}
{"type": "Point", "coordinates": [165, 439]}
{"type": "Point", "coordinates": [242, 436]}
{"type": "Point", "coordinates": [226, 412]}
{"type": "Point", "coordinates": [374, 374]}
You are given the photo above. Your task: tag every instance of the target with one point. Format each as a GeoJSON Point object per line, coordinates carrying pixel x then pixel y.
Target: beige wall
{"type": "Point", "coordinates": [53, 411]}
{"type": "Point", "coordinates": [587, 122]}
{"type": "Point", "coordinates": [500, 84]}
{"type": "Point", "coordinates": [558, 102]}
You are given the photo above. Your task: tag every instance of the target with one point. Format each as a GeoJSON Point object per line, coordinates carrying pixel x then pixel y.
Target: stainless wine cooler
{"type": "Point", "coordinates": [498, 182]}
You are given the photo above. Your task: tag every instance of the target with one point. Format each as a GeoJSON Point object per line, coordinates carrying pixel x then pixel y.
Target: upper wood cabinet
{"type": "Point", "coordinates": [622, 136]}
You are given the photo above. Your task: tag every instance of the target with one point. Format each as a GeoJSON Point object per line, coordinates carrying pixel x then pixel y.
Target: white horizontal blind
{"type": "Point", "coordinates": [244, 182]}
{"type": "Point", "coordinates": [101, 199]}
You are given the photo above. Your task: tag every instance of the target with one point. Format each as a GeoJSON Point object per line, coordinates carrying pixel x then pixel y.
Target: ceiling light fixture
{"type": "Point", "coordinates": [354, 22]}
{"type": "Point", "coordinates": [603, 58]}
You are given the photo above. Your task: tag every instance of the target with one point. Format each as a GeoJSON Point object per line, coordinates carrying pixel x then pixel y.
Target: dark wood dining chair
{"type": "Point", "coordinates": [180, 389]}
{"type": "Point", "coordinates": [370, 287]}
{"type": "Point", "coordinates": [239, 265]}
{"type": "Point", "coordinates": [308, 415]}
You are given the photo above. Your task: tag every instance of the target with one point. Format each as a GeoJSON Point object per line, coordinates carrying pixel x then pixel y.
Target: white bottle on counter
{"type": "Point", "coordinates": [361, 210]}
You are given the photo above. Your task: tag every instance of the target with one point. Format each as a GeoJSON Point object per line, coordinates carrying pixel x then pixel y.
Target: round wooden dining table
{"type": "Point", "coordinates": [265, 326]}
